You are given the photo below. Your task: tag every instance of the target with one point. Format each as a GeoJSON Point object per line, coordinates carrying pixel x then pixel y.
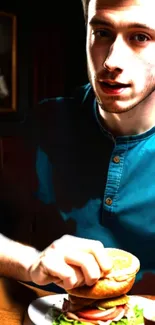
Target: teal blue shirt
{"type": "Point", "coordinates": [106, 185]}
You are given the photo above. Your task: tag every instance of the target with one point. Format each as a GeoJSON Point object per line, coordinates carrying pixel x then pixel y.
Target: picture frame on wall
{"type": "Point", "coordinates": [8, 64]}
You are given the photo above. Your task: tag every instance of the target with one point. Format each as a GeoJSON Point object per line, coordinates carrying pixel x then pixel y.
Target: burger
{"type": "Point", "coordinates": [106, 301]}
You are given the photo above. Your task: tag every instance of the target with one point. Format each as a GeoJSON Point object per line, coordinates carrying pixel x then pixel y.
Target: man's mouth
{"type": "Point", "coordinates": [113, 87]}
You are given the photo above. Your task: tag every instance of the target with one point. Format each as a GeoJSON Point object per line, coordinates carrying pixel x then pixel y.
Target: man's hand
{"type": "Point", "coordinates": [70, 262]}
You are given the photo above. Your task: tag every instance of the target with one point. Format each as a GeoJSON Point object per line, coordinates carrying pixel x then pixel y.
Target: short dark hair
{"type": "Point", "coordinates": [85, 4]}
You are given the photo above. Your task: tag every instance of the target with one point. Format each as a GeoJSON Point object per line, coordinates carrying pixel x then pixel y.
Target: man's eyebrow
{"type": "Point", "coordinates": [99, 21]}
{"type": "Point", "coordinates": [143, 26]}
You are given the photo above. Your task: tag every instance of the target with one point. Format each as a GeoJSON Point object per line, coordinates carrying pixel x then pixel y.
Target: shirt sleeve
{"type": "Point", "coordinates": [45, 191]}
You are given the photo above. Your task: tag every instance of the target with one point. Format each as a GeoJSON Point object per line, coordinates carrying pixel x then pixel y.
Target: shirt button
{"type": "Point", "coordinates": [108, 201]}
{"type": "Point", "coordinates": [116, 159]}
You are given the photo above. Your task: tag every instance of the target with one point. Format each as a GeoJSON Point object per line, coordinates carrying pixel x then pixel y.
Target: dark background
{"type": "Point", "coordinates": [51, 61]}
{"type": "Point", "coordinates": [51, 57]}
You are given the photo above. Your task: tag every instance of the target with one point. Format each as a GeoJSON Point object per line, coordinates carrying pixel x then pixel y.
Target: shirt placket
{"type": "Point", "coordinates": [114, 176]}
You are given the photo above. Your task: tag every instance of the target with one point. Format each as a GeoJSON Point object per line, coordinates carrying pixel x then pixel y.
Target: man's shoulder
{"type": "Point", "coordinates": [58, 111]}
{"type": "Point", "coordinates": [79, 96]}
{"type": "Point", "coordinates": [56, 118]}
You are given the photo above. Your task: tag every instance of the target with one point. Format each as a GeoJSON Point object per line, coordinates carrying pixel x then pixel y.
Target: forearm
{"type": "Point", "coordinates": [15, 259]}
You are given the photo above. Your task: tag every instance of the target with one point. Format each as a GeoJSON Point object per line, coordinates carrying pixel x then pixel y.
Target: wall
{"type": "Point", "coordinates": [24, 218]}
{"type": "Point", "coordinates": [50, 55]}
{"type": "Point", "coordinates": [51, 62]}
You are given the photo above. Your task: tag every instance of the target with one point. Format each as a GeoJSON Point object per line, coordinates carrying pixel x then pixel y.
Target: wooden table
{"type": "Point", "coordinates": [15, 298]}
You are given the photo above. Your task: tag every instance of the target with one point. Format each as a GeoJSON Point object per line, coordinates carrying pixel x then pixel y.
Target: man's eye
{"type": "Point", "coordinates": [140, 38]}
{"type": "Point", "coordinates": [102, 33]}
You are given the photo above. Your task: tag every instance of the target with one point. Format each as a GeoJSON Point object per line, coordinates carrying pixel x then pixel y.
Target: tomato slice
{"type": "Point", "coordinates": [96, 314]}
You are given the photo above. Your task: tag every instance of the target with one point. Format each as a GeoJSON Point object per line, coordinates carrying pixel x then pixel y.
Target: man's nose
{"type": "Point", "coordinates": [116, 56]}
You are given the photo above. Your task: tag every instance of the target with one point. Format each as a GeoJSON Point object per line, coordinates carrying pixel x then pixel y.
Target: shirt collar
{"type": "Point", "coordinates": [124, 138]}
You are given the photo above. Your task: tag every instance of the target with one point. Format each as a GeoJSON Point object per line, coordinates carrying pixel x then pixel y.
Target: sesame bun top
{"type": "Point", "coordinates": [117, 282]}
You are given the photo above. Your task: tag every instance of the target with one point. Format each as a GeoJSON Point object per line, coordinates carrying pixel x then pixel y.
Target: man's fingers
{"type": "Point", "coordinates": [87, 263]}
{"type": "Point", "coordinates": [71, 262]}
{"type": "Point", "coordinates": [70, 283]}
{"type": "Point", "coordinates": [53, 268]}
{"type": "Point", "coordinates": [101, 257]}
{"type": "Point", "coordinates": [74, 281]}
{"type": "Point", "coordinates": [94, 247]}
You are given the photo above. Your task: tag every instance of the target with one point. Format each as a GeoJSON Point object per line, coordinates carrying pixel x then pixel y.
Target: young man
{"type": "Point", "coordinates": [95, 160]}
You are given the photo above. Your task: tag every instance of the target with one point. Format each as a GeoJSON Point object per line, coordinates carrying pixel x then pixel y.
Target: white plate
{"type": "Point", "coordinates": [38, 309]}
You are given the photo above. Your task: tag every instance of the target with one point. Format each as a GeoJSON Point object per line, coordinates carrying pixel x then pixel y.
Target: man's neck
{"type": "Point", "coordinates": [136, 121]}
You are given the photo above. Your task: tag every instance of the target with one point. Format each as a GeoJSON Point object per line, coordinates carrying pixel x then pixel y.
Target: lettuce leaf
{"type": "Point", "coordinates": [135, 320]}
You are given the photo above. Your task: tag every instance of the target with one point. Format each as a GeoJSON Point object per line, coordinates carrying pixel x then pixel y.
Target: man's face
{"type": "Point", "coordinates": [121, 52]}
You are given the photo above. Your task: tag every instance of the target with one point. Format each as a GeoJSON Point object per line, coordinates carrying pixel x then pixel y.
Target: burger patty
{"type": "Point", "coordinates": [75, 303]}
